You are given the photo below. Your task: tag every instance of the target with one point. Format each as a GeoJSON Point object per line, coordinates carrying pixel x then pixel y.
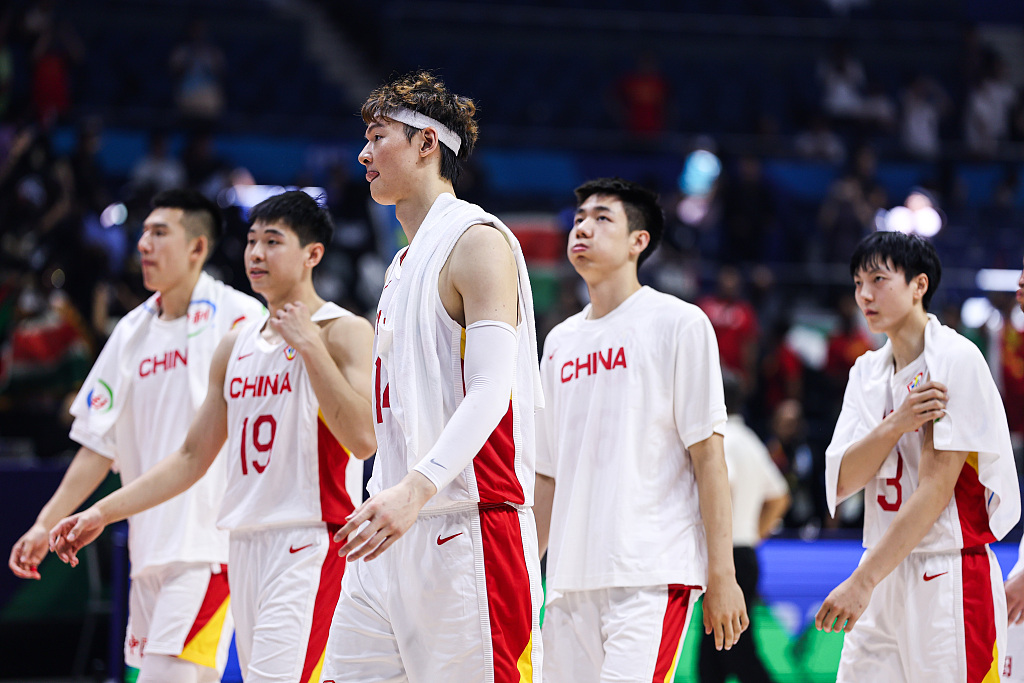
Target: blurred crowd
{"type": "Point", "coordinates": [68, 266]}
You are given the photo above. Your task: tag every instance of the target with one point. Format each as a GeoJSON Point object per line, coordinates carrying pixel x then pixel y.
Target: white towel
{"type": "Point", "coordinates": [407, 339]}
{"type": "Point", "coordinates": [215, 309]}
{"type": "Point", "coordinates": [974, 420]}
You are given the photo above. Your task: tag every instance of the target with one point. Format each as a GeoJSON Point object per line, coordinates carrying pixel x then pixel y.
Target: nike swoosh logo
{"type": "Point", "coordinates": [933, 576]}
{"type": "Point", "coordinates": [442, 541]}
{"type": "Point", "coordinates": [293, 549]}
{"type": "Point", "coordinates": [438, 464]}
{"type": "Point", "coordinates": [245, 355]}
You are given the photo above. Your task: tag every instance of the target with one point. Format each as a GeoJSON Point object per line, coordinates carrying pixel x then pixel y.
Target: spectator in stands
{"type": "Point", "coordinates": [748, 212]}
{"type": "Point", "coordinates": [820, 142]}
{"type": "Point", "coordinates": [642, 97]}
{"type": "Point", "coordinates": [791, 454]}
{"type": "Point", "coordinates": [736, 328]}
{"type": "Point", "coordinates": [1006, 359]}
{"type": "Point", "coordinates": [842, 80]}
{"type": "Point", "coordinates": [204, 170]}
{"type": "Point", "coordinates": [847, 342]}
{"type": "Point", "coordinates": [925, 103]}
{"type": "Point", "coordinates": [53, 56]}
{"type": "Point", "coordinates": [781, 372]}
{"type": "Point", "coordinates": [6, 63]}
{"type": "Point", "coordinates": [848, 212]}
{"type": "Point", "coordinates": [158, 170]}
{"type": "Point", "coordinates": [198, 66]}
{"type": "Point", "coordinates": [877, 111]}
{"type": "Point", "coordinates": [760, 497]}
{"type": "Point", "coordinates": [989, 103]}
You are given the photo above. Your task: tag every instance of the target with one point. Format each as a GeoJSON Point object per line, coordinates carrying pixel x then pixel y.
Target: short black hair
{"type": "Point", "coordinates": [643, 212]}
{"type": "Point", "coordinates": [306, 217]}
{"type": "Point", "coordinates": [911, 254]}
{"type": "Point", "coordinates": [200, 215]}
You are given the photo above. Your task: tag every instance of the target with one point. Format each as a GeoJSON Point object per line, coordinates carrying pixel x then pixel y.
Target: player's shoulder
{"type": "Point", "coordinates": [956, 350]}
{"type": "Point", "coordinates": [669, 312]}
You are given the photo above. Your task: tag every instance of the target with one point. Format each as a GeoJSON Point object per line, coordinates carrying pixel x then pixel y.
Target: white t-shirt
{"type": "Point", "coordinates": [753, 479]}
{"type": "Point", "coordinates": [155, 419]}
{"type": "Point", "coordinates": [625, 396]}
{"type": "Point", "coordinates": [284, 466]}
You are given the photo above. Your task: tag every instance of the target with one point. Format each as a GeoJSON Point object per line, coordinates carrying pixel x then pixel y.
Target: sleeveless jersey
{"type": "Point", "coordinates": [284, 465]}
{"type": "Point", "coordinates": [496, 475]}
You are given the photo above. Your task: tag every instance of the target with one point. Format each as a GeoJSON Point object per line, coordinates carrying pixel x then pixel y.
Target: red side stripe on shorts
{"type": "Point", "coordinates": [216, 593]}
{"type": "Point", "coordinates": [979, 616]}
{"type": "Point", "coordinates": [335, 503]}
{"type": "Point", "coordinates": [327, 595]}
{"type": "Point", "coordinates": [672, 630]}
{"type": "Point", "coordinates": [970, 505]}
{"type": "Point", "coordinates": [509, 601]}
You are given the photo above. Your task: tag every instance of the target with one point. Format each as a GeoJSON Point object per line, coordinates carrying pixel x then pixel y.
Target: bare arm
{"type": "Point", "coordinates": [543, 498]}
{"type": "Point", "coordinates": [772, 511]}
{"type": "Point", "coordinates": [171, 476]}
{"type": "Point", "coordinates": [724, 609]}
{"type": "Point", "coordinates": [938, 475]}
{"type": "Point", "coordinates": [86, 472]}
{"type": "Point", "coordinates": [862, 460]}
{"type": "Point", "coordinates": [479, 282]}
{"type": "Point", "coordinates": [338, 358]}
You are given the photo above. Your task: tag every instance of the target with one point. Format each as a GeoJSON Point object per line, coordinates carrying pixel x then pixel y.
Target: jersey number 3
{"type": "Point", "coordinates": [894, 482]}
{"type": "Point", "coordinates": [262, 441]}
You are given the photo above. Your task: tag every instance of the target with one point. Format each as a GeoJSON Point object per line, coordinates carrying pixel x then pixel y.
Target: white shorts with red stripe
{"type": "Point", "coordinates": [936, 617]}
{"type": "Point", "coordinates": [180, 609]}
{"type": "Point", "coordinates": [284, 590]}
{"type": "Point", "coordinates": [617, 635]}
{"type": "Point", "coordinates": [457, 598]}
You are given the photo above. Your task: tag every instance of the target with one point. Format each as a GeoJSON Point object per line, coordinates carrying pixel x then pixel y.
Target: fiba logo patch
{"type": "Point", "coordinates": [101, 397]}
{"type": "Point", "coordinates": [916, 381]}
{"type": "Point", "coordinates": [289, 353]}
{"type": "Point", "coordinates": [201, 313]}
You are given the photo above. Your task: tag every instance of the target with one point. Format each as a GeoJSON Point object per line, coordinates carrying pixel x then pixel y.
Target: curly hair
{"type": "Point", "coordinates": [423, 92]}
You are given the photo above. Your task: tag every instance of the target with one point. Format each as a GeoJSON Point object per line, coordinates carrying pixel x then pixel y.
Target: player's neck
{"type": "Point", "coordinates": [908, 338]}
{"type": "Point", "coordinates": [301, 292]}
{"type": "Point", "coordinates": [608, 293]}
{"type": "Point", "coordinates": [412, 210]}
{"type": "Point", "coordinates": [174, 300]}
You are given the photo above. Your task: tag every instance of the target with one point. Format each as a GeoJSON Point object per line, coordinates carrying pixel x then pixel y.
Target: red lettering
{"type": "Point", "coordinates": [234, 393]}
{"type": "Point", "coordinates": [263, 446]}
{"type": "Point", "coordinates": [245, 426]}
{"type": "Point", "coordinates": [382, 400]}
{"type": "Point", "coordinates": [566, 366]}
{"type": "Point", "coordinates": [883, 498]}
{"type": "Point", "coordinates": [246, 387]}
{"type": "Point", "coordinates": [620, 358]}
{"type": "Point", "coordinates": [157, 362]}
{"type": "Point", "coordinates": [606, 363]}
{"type": "Point", "coordinates": [286, 385]}
{"type": "Point", "coordinates": [270, 385]}
{"type": "Point", "coordinates": [180, 357]}
{"type": "Point", "coordinates": [142, 372]}
{"type": "Point", "coordinates": [584, 365]}
{"type": "Point", "coordinates": [261, 389]}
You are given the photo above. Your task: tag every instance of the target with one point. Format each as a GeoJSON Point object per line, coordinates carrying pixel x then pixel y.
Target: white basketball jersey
{"type": "Point", "coordinates": [625, 396]}
{"type": "Point", "coordinates": [284, 465]}
{"type": "Point", "coordinates": [496, 475]}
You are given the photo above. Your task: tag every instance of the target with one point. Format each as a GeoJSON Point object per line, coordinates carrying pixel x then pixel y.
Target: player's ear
{"type": "Point", "coordinates": [639, 239]}
{"type": "Point", "coordinates": [430, 141]}
{"type": "Point", "coordinates": [314, 253]}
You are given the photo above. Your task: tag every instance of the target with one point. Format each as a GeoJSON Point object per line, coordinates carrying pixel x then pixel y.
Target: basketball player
{"type": "Point", "coordinates": [149, 379]}
{"type": "Point", "coordinates": [1013, 665]}
{"type": "Point", "coordinates": [632, 483]}
{"type": "Point", "coordinates": [291, 394]}
{"type": "Point", "coordinates": [453, 588]}
{"type": "Point", "coordinates": [923, 433]}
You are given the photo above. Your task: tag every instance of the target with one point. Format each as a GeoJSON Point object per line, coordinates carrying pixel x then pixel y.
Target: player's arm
{"type": "Point", "coordinates": [483, 279]}
{"type": "Point", "coordinates": [543, 499]}
{"type": "Point", "coordinates": [87, 471]}
{"type": "Point", "coordinates": [861, 461]}
{"type": "Point", "coordinates": [171, 476]}
{"type": "Point", "coordinates": [725, 613]}
{"type": "Point", "coordinates": [772, 511]}
{"type": "Point", "coordinates": [937, 476]}
{"type": "Point", "coordinates": [1015, 598]}
{"type": "Point", "coordinates": [338, 359]}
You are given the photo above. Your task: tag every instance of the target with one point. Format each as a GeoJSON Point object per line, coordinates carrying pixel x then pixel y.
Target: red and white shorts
{"type": "Point", "coordinates": [457, 598]}
{"type": "Point", "coordinates": [284, 588]}
{"type": "Point", "coordinates": [180, 609]}
{"type": "Point", "coordinates": [936, 617]}
{"type": "Point", "coordinates": [617, 634]}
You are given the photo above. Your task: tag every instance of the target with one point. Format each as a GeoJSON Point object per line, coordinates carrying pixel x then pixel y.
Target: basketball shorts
{"type": "Point", "coordinates": [936, 617]}
{"type": "Point", "coordinates": [457, 598]}
{"type": "Point", "coordinates": [1013, 662]}
{"type": "Point", "coordinates": [180, 609]}
{"type": "Point", "coordinates": [617, 634]}
{"type": "Point", "coordinates": [284, 590]}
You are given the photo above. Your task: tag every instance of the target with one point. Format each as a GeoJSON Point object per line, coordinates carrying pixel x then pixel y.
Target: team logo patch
{"type": "Point", "coordinates": [201, 313]}
{"type": "Point", "coordinates": [289, 353]}
{"type": "Point", "coordinates": [101, 397]}
{"type": "Point", "coordinates": [916, 382]}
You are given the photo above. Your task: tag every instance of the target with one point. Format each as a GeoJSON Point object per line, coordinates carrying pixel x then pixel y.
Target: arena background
{"type": "Point", "coordinates": [777, 131]}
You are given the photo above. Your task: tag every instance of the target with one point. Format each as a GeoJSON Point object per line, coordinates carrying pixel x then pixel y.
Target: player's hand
{"type": "Point", "coordinates": [725, 613]}
{"type": "Point", "coordinates": [28, 552]}
{"type": "Point", "coordinates": [924, 404]}
{"type": "Point", "coordinates": [1015, 599]}
{"type": "Point", "coordinates": [74, 533]}
{"type": "Point", "coordinates": [387, 515]}
{"type": "Point", "coordinates": [844, 605]}
{"type": "Point", "coordinates": [294, 323]}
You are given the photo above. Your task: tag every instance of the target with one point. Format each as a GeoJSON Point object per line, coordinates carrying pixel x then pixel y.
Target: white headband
{"type": "Point", "coordinates": [421, 121]}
